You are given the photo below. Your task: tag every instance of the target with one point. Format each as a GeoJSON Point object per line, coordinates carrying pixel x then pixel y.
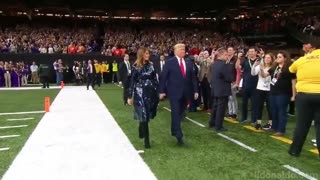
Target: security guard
{"type": "Point", "coordinates": [114, 71]}
{"type": "Point", "coordinates": [44, 75]}
{"type": "Point", "coordinates": [105, 72]}
{"type": "Point", "coordinates": [98, 72]}
{"type": "Point", "coordinates": [308, 98]}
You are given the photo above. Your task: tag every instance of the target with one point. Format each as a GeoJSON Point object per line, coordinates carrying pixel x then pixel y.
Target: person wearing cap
{"type": "Point", "coordinates": [307, 99]}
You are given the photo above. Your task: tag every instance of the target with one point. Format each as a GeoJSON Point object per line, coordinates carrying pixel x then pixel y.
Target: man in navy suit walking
{"type": "Point", "coordinates": [178, 82]}
{"type": "Point", "coordinates": [221, 79]}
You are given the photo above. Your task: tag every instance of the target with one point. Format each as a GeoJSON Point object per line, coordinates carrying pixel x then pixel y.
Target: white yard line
{"type": "Point", "coordinates": [16, 113]}
{"type": "Point", "coordinates": [297, 171]}
{"type": "Point", "coordinates": [78, 140]}
{"type": "Point", "coordinates": [8, 136]}
{"type": "Point", "coordinates": [12, 127]}
{"type": "Point", "coordinates": [27, 88]}
{"type": "Point", "coordinates": [20, 119]}
{"type": "Point", "coordinates": [191, 120]}
{"type": "Point", "coordinates": [238, 142]}
{"type": "Point", "coordinates": [4, 149]}
{"type": "Point", "coordinates": [118, 86]}
{"type": "Point", "coordinates": [195, 122]}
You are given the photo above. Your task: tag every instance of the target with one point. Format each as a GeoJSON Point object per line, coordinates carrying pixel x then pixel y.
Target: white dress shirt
{"type": "Point", "coordinates": [161, 65]}
{"type": "Point", "coordinates": [128, 67]}
{"type": "Point", "coordinates": [34, 68]}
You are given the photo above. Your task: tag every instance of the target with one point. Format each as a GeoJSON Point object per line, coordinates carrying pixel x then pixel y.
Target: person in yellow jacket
{"type": "Point", "coordinates": [105, 72]}
{"type": "Point", "coordinates": [308, 98]}
{"type": "Point", "coordinates": [98, 72]}
{"type": "Point", "coordinates": [115, 75]}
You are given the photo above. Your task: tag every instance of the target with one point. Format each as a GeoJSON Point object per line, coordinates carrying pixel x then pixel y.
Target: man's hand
{"type": "Point", "coordinates": [120, 83]}
{"type": "Point", "coordinates": [129, 101]}
{"type": "Point", "coordinates": [162, 96]}
{"type": "Point", "coordinates": [196, 95]}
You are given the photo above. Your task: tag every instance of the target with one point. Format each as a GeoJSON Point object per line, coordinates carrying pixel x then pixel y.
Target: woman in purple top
{"type": "Point", "coordinates": [23, 75]}
{"type": "Point", "coordinates": [15, 77]}
{"type": "Point", "coordinates": [2, 82]}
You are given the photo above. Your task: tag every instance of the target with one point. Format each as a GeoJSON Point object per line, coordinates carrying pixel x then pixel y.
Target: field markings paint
{"type": "Point", "coordinates": [28, 112]}
{"type": "Point", "coordinates": [254, 129]}
{"type": "Point", "coordinates": [4, 149]}
{"type": "Point", "coordinates": [315, 151]}
{"type": "Point", "coordinates": [238, 143]}
{"type": "Point", "coordinates": [229, 120]}
{"type": "Point", "coordinates": [282, 139]}
{"type": "Point", "coordinates": [12, 127]}
{"type": "Point", "coordinates": [191, 120]}
{"type": "Point", "coordinates": [20, 119]}
{"type": "Point", "coordinates": [297, 171]}
{"type": "Point", "coordinates": [8, 136]}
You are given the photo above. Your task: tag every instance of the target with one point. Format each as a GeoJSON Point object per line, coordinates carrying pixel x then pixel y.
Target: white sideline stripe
{"type": "Point", "coordinates": [28, 88]}
{"type": "Point", "coordinates": [238, 142]}
{"type": "Point", "coordinates": [191, 120]}
{"type": "Point", "coordinates": [66, 144]}
{"type": "Point", "coordinates": [118, 86]}
{"type": "Point", "coordinates": [9, 136]}
{"type": "Point", "coordinates": [195, 122]}
{"type": "Point", "coordinates": [20, 119]}
{"type": "Point", "coordinates": [4, 149]}
{"type": "Point", "coordinates": [297, 171]}
{"type": "Point", "coordinates": [28, 112]}
{"type": "Point", "coordinates": [11, 127]}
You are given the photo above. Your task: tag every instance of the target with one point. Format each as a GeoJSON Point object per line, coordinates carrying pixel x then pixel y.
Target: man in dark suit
{"type": "Point", "coordinates": [159, 64]}
{"type": "Point", "coordinates": [178, 82]}
{"type": "Point", "coordinates": [91, 71]}
{"type": "Point", "coordinates": [221, 79]}
{"type": "Point", "coordinates": [125, 75]}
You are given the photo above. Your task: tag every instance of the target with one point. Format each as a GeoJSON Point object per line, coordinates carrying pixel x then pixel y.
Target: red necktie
{"type": "Point", "coordinates": [182, 68]}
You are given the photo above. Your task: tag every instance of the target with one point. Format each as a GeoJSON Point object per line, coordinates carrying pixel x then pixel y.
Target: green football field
{"type": "Point", "coordinates": [206, 154]}
{"type": "Point", "coordinates": [15, 129]}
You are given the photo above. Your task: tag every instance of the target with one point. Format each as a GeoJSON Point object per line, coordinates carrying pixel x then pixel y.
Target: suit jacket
{"type": "Point", "coordinates": [205, 69]}
{"type": "Point", "coordinates": [123, 72]}
{"type": "Point", "coordinates": [157, 66]}
{"type": "Point", "coordinates": [174, 84]}
{"type": "Point", "coordinates": [221, 79]}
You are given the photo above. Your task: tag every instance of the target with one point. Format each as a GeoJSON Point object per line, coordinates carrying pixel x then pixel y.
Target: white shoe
{"type": "Point", "coordinates": [314, 141]}
{"type": "Point", "coordinates": [315, 145]}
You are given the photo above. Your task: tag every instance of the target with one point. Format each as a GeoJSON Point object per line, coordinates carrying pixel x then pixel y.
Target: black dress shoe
{"type": "Point", "coordinates": [221, 129]}
{"type": "Point", "coordinates": [294, 154]}
{"type": "Point", "coordinates": [211, 126]}
{"type": "Point", "coordinates": [147, 145]}
{"type": "Point", "coordinates": [180, 141]}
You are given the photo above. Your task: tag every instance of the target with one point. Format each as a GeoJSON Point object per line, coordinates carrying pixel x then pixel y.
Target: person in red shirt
{"type": "Point", "coordinates": [72, 48]}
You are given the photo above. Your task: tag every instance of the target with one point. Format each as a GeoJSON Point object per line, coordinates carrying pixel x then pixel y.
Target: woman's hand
{"type": "Point", "coordinates": [129, 101]}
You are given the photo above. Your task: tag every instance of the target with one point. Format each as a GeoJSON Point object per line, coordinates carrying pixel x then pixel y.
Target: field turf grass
{"type": "Point", "coordinates": [19, 101]}
{"type": "Point", "coordinates": [207, 155]}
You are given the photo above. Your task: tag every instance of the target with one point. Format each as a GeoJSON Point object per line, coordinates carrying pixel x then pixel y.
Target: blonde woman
{"type": "Point", "coordinates": [263, 89]}
{"type": "Point", "coordinates": [143, 93]}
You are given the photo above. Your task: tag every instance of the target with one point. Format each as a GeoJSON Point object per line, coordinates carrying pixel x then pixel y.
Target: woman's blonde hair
{"type": "Point", "coordinates": [140, 60]}
{"type": "Point", "coordinates": [272, 59]}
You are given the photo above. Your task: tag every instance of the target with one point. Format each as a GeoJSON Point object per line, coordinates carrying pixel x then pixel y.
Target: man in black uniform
{"type": "Point", "coordinates": [44, 75]}
{"type": "Point", "coordinates": [221, 79]}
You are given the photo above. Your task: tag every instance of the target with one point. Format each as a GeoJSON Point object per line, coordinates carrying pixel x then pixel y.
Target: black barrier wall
{"type": "Point", "coordinates": [67, 59]}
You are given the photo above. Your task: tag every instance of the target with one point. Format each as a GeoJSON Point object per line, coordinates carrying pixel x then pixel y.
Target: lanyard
{"type": "Point", "coordinates": [250, 64]}
{"type": "Point", "coordinates": [276, 71]}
